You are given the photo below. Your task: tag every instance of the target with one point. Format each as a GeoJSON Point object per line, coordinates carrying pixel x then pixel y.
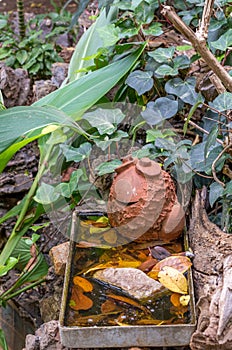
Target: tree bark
{"type": "Point", "coordinates": [212, 274]}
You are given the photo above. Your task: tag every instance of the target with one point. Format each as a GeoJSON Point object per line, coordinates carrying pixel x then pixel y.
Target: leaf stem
{"type": "Point", "coordinates": [16, 234]}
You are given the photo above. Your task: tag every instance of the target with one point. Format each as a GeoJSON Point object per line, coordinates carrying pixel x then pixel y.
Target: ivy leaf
{"type": "Point", "coordinates": [76, 154]}
{"type": "Point", "coordinates": [224, 41]}
{"type": "Point", "coordinates": [108, 167]}
{"type": "Point", "coordinates": [162, 55]}
{"type": "Point", "coordinates": [163, 108]}
{"type": "Point", "coordinates": [153, 134]}
{"type": "Point", "coordinates": [105, 141]}
{"type": "Point", "coordinates": [154, 29]}
{"type": "Point", "coordinates": [181, 62]}
{"type": "Point", "coordinates": [140, 81]}
{"type": "Point", "coordinates": [46, 194]}
{"type": "Point", "coordinates": [109, 34]}
{"type": "Point", "coordinates": [223, 102]}
{"type": "Point", "coordinates": [105, 120]}
{"type": "Point", "coordinates": [211, 139]}
{"type": "Point", "coordinates": [66, 189]}
{"type": "Point", "coordinates": [165, 144]}
{"type": "Point", "coordinates": [185, 90]}
{"type": "Point", "coordinates": [215, 192]}
{"type": "Point", "coordinates": [166, 70]}
{"type": "Point", "coordinates": [228, 189]}
{"type": "Point", "coordinates": [144, 12]}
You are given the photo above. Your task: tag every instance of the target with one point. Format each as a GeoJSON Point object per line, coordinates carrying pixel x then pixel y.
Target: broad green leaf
{"type": "Point", "coordinates": [13, 211]}
{"type": "Point", "coordinates": [162, 55]}
{"type": "Point", "coordinates": [223, 102]}
{"type": "Point", "coordinates": [3, 343]}
{"type": "Point", "coordinates": [224, 41]}
{"type": "Point", "coordinates": [22, 56]}
{"type": "Point", "coordinates": [228, 189]}
{"type": "Point", "coordinates": [105, 120]}
{"type": "Point", "coordinates": [181, 62]}
{"type": "Point", "coordinates": [24, 120]}
{"type": "Point", "coordinates": [76, 154]}
{"type": "Point", "coordinates": [163, 108]}
{"type": "Point", "coordinates": [46, 194]}
{"type": "Point", "coordinates": [108, 167]}
{"type": "Point", "coordinates": [165, 144]}
{"type": "Point", "coordinates": [11, 262]}
{"type": "Point", "coordinates": [78, 96]}
{"type": "Point", "coordinates": [109, 34]}
{"type": "Point", "coordinates": [88, 45]}
{"type": "Point", "coordinates": [198, 161]}
{"type": "Point", "coordinates": [66, 189]}
{"type": "Point", "coordinates": [185, 90]}
{"type": "Point", "coordinates": [140, 81]}
{"type": "Point", "coordinates": [215, 192]}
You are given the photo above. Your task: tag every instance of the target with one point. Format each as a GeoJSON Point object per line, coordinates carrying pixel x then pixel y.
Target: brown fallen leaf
{"type": "Point", "coordinates": [180, 263]}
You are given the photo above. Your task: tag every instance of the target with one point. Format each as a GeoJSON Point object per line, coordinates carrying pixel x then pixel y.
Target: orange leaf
{"type": "Point", "coordinates": [78, 300]}
{"type": "Point", "coordinates": [175, 299]}
{"type": "Point", "coordinates": [83, 283]}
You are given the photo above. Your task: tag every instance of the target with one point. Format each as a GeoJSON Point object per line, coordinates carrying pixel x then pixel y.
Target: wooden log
{"type": "Point", "coordinates": [212, 272]}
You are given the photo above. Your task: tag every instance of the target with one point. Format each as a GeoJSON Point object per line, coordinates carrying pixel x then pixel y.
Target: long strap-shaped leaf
{"type": "Point", "coordinates": [78, 96]}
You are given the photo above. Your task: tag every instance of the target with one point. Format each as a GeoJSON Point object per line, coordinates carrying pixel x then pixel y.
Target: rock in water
{"type": "Point", "coordinates": [133, 281]}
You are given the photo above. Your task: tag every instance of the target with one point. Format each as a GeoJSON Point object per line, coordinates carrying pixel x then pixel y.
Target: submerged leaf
{"type": "Point", "coordinates": [129, 301]}
{"type": "Point", "coordinates": [78, 300]}
{"type": "Point", "coordinates": [173, 280]}
{"type": "Point", "coordinates": [83, 283]}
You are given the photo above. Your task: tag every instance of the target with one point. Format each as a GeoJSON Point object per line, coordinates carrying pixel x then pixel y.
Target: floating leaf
{"type": "Point", "coordinates": [178, 262]}
{"type": "Point", "coordinates": [140, 81]}
{"type": "Point", "coordinates": [184, 300]}
{"type": "Point", "coordinates": [108, 306]}
{"type": "Point", "coordinates": [94, 229]}
{"type": "Point", "coordinates": [78, 300]}
{"type": "Point", "coordinates": [175, 299]}
{"type": "Point", "coordinates": [110, 236]}
{"type": "Point", "coordinates": [173, 280]}
{"type": "Point", "coordinates": [147, 265]}
{"type": "Point", "coordinates": [83, 283]}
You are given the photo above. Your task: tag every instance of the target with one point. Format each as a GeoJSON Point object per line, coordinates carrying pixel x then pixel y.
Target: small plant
{"type": "Point", "coordinates": [36, 51]}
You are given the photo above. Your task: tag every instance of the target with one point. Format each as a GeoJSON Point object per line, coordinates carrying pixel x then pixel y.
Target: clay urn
{"type": "Point", "coordinates": [142, 202]}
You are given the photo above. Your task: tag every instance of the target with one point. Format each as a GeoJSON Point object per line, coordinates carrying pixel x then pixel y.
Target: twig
{"type": "Point", "coordinates": [199, 45]}
{"type": "Point", "coordinates": [202, 32]}
{"type": "Point", "coordinates": [214, 165]}
{"type": "Point", "coordinates": [203, 130]}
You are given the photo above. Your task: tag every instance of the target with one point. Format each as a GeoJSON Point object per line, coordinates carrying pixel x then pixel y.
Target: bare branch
{"type": "Point", "coordinates": [199, 45]}
{"type": "Point", "coordinates": [202, 33]}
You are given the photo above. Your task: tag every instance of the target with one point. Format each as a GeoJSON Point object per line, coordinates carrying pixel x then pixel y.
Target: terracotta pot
{"type": "Point", "coordinates": [142, 202]}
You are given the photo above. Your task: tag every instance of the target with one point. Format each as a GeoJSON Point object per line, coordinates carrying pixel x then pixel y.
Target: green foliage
{"type": "Point", "coordinates": [36, 51]}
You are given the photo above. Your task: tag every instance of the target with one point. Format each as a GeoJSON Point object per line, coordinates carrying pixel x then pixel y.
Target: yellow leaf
{"type": "Point", "coordinates": [94, 230]}
{"type": "Point", "coordinates": [49, 128]}
{"type": "Point", "coordinates": [173, 280]}
{"type": "Point", "coordinates": [184, 300]}
{"type": "Point", "coordinates": [103, 220]}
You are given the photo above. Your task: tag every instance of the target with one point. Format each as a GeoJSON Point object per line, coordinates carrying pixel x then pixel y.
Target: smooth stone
{"type": "Point", "coordinates": [131, 280]}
